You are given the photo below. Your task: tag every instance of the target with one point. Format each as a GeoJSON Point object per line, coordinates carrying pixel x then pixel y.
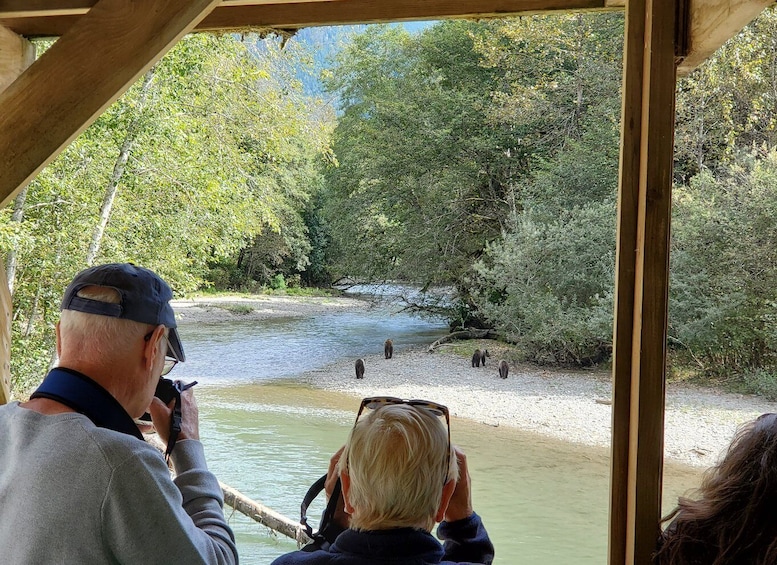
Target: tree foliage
{"type": "Point", "coordinates": [484, 155]}
{"type": "Point", "coordinates": [724, 266]}
{"type": "Point", "coordinates": [495, 138]}
{"type": "Point", "coordinates": [476, 155]}
{"type": "Point", "coordinates": [223, 150]}
{"type": "Point", "coordinates": [421, 173]}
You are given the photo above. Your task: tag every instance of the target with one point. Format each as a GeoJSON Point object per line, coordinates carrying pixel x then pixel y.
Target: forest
{"type": "Point", "coordinates": [476, 157]}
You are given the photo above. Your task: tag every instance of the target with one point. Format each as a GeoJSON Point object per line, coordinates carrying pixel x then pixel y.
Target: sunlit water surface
{"type": "Point", "coordinates": [543, 501]}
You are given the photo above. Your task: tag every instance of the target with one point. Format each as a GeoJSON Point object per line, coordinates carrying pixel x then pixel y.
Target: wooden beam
{"type": "Point", "coordinates": [625, 268]}
{"type": "Point", "coordinates": [307, 14]}
{"type": "Point", "coordinates": [80, 75]}
{"type": "Point", "coordinates": [243, 14]}
{"type": "Point", "coordinates": [42, 8]}
{"type": "Point", "coordinates": [6, 308]}
{"type": "Point", "coordinates": [265, 515]}
{"type": "Point", "coordinates": [642, 280]}
{"type": "Point", "coordinates": [712, 23]}
{"type": "Point", "coordinates": [16, 54]}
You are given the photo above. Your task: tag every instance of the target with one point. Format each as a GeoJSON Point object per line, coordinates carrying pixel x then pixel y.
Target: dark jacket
{"type": "Point", "coordinates": [466, 541]}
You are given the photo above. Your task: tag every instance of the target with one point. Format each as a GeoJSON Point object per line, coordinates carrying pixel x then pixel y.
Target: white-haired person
{"type": "Point", "coordinates": [400, 476]}
{"type": "Point", "coordinates": [78, 483]}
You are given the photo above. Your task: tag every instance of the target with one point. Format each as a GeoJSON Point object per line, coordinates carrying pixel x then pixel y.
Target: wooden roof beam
{"type": "Point", "coordinates": [16, 54]}
{"type": "Point", "coordinates": [36, 18]}
{"type": "Point", "coordinates": [713, 22]}
{"type": "Point", "coordinates": [343, 12]}
{"type": "Point", "coordinates": [38, 8]}
{"type": "Point", "coordinates": [71, 84]}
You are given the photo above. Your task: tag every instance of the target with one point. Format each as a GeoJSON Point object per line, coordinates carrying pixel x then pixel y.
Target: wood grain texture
{"type": "Point", "coordinates": [625, 268]}
{"type": "Point", "coordinates": [306, 14]}
{"type": "Point", "coordinates": [16, 54]}
{"type": "Point", "coordinates": [6, 306]}
{"type": "Point", "coordinates": [712, 23]}
{"type": "Point", "coordinates": [80, 75]}
{"type": "Point", "coordinates": [642, 281]}
{"type": "Point", "coordinates": [237, 14]}
{"type": "Point", "coordinates": [264, 515]}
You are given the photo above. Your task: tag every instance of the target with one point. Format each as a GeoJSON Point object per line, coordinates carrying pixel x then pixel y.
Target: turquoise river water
{"type": "Point", "coordinates": [542, 501]}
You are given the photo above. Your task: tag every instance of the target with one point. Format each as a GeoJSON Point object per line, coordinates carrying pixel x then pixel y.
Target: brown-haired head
{"type": "Point", "coordinates": [732, 517]}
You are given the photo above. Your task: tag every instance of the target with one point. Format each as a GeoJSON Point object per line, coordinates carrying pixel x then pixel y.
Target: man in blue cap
{"type": "Point", "coordinates": [77, 482]}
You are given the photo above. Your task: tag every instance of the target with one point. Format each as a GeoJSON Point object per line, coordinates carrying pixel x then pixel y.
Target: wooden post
{"type": "Point", "coordinates": [5, 338]}
{"type": "Point", "coordinates": [642, 280]}
{"type": "Point", "coordinates": [16, 54]}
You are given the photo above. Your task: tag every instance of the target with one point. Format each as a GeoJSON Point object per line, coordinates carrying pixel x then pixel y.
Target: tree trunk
{"type": "Point", "coordinates": [118, 170]}
{"type": "Point", "coordinates": [464, 334]}
{"type": "Point", "coordinates": [17, 217]}
{"type": "Point", "coordinates": [33, 313]}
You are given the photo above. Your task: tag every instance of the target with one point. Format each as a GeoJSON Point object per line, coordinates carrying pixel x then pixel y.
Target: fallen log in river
{"type": "Point", "coordinates": [464, 334]}
{"type": "Point", "coordinates": [264, 515]}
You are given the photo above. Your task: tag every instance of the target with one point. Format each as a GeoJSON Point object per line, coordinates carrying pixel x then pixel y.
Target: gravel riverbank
{"type": "Point", "coordinates": [568, 405]}
{"type": "Point", "coordinates": [214, 309]}
{"type": "Point", "coordinates": [572, 406]}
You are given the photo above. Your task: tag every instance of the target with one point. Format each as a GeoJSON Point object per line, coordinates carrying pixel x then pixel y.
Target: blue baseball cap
{"type": "Point", "coordinates": [145, 298]}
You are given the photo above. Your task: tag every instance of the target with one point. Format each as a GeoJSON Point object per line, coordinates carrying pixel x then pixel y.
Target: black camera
{"type": "Point", "coordinates": [166, 390]}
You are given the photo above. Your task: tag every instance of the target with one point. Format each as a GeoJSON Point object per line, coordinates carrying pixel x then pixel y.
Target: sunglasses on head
{"type": "Point", "coordinates": [439, 410]}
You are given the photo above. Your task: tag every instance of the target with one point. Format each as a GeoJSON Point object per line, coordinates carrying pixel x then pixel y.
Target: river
{"type": "Point", "coordinates": [543, 501]}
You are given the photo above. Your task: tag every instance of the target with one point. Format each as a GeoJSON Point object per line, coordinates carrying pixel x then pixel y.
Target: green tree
{"type": "Point", "coordinates": [181, 173]}
{"type": "Point", "coordinates": [421, 174]}
{"type": "Point", "coordinates": [728, 105]}
{"type": "Point", "coordinates": [548, 283]}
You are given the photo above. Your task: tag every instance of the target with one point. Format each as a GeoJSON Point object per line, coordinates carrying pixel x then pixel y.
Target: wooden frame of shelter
{"type": "Point", "coordinates": [105, 45]}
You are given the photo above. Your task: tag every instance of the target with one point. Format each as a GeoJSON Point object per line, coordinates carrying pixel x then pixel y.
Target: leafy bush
{"type": "Point", "coordinates": [278, 282]}
{"type": "Point", "coordinates": [550, 284]}
{"type": "Point", "coordinates": [723, 291]}
{"type": "Point", "coordinates": [761, 382]}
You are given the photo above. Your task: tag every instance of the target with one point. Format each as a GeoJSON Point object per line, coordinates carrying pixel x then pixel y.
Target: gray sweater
{"type": "Point", "coordinates": [73, 493]}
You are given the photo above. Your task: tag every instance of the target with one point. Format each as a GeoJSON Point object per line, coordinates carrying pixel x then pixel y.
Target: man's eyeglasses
{"type": "Point", "coordinates": [170, 361]}
{"type": "Point", "coordinates": [440, 410]}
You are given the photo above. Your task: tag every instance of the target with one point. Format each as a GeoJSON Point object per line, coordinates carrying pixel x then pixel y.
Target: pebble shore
{"type": "Point", "coordinates": [572, 406]}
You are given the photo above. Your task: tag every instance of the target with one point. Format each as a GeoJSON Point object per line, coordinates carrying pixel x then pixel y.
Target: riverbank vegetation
{"type": "Point", "coordinates": [477, 156]}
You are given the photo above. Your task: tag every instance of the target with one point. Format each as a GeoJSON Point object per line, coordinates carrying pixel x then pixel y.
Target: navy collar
{"type": "Point", "coordinates": [392, 545]}
{"type": "Point", "coordinates": [77, 391]}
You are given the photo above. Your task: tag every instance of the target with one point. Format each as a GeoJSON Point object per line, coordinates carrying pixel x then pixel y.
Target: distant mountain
{"type": "Point", "coordinates": [323, 43]}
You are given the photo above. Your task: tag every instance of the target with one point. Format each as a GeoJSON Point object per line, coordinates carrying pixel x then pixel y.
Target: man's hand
{"type": "Point", "coordinates": [161, 416]}
{"type": "Point", "coordinates": [460, 506]}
